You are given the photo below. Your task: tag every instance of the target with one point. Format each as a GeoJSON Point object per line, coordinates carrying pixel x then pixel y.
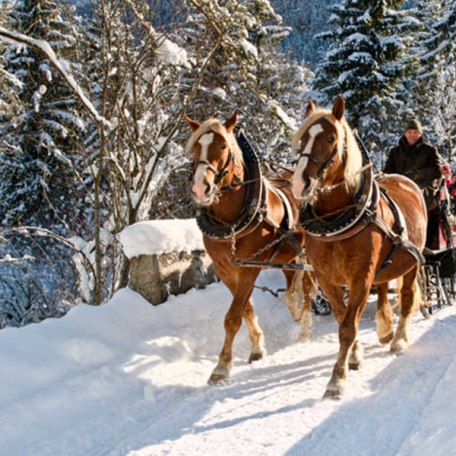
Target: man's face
{"type": "Point", "coordinates": [412, 136]}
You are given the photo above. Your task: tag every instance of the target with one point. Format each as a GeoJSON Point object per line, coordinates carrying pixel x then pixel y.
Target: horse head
{"type": "Point", "coordinates": [215, 157]}
{"type": "Point", "coordinates": [321, 144]}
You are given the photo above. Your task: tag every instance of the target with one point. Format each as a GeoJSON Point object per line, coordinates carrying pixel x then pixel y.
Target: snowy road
{"type": "Point", "coordinates": [130, 379]}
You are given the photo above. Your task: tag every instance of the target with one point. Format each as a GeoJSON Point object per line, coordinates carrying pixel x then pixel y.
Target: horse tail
{"type": "Point", "coordinates": [298, 299]}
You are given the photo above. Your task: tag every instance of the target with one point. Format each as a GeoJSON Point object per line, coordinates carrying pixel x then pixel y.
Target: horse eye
{"type": "Point", "coordinates": [331, 139]}
{"type": "Point", "coordinates": [224, 146]}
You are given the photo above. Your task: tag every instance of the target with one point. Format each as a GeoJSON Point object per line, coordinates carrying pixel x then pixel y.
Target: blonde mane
{"type": "Point", "coordinates": [215, 126]}
{"type": "Point", "coordinates": [354, 160]}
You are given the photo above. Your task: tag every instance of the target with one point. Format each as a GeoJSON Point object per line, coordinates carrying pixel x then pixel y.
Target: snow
{"type": "Point", "coordinates": [282, 115]}
{"type": "Point", "coordinates": [249, 48]}
{"type": "Point", "coordinates": [161, 236]}
{"type": "Point", "coordinates": [128, 378]}
{"type": "Point", "coordinates": [170, 53]}
{"type": "Point", "coordinates": [10, 35]}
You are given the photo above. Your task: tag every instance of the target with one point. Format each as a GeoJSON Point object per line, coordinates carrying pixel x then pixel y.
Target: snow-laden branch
{"type": "Point", "coordinates": [45, 48]}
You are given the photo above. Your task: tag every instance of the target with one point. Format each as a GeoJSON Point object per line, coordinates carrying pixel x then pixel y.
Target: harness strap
{"type": "Point", "coordinates": [400, 240]}
{"type": "Point", "coordinates": [285, 228]}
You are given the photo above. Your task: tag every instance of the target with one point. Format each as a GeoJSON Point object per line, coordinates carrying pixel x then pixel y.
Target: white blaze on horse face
{"type": "Point", "coordinates": [199, 187]}
{"type": "Point", "coordinates": [297, 183]}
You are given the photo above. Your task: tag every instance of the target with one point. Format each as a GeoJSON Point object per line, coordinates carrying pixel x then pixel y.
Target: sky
{"type": "Point", "coordinates": [128, 378]}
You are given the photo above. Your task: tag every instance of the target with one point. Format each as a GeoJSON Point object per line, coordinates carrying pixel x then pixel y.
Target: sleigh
{"type": "Point", "coordinates": [439, 275]}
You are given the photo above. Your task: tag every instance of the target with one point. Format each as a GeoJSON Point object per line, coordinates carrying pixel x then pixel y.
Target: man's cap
{"type": "Point", "coordinates": [414, 124]}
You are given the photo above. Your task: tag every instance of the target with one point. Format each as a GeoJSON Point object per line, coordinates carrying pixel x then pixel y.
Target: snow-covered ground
{"type": "Point", "coordinates": [127, 378]}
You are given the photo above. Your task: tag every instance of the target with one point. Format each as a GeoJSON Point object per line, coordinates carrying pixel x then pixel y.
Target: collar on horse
{"type": "Point", "coordinates": [252, 211]}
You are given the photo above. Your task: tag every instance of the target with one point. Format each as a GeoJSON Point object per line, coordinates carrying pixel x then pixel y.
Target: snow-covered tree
{"type": "Point", "coordinates": [40, 179]}
{"type": "Point", "coordinates": [248, 73]}
{"type": "Point", "coordinates": [435, 84]}
{"type": "Point", "coordinates": [40, 168]}
{"type": "Point", "coordinates": [365, 63]}
{"type": "Point", "coordinates": [308, 18]}
{"type": "Point", "coordinates": [9, 84]}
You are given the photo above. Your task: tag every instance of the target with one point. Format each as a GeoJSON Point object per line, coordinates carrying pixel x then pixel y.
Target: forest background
{"type": "Point", "coordinates": [71, 178]}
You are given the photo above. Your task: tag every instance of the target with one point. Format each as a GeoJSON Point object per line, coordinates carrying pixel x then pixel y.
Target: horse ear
{"type": "Point", "coordinates": [231, 122]}
{"type": "Point", "coordinates": [194, 125]}
{"type": "Point", "coordinates": [310, 108]}
{"type": "Point", "coordinates": [339, 108]}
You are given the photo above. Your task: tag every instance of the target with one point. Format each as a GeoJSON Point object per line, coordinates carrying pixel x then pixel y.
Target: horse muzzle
{"type": "Point", "coordinates": [203, 193]}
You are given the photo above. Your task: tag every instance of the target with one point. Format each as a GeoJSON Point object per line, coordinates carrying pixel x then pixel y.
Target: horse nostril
{"type": "Point", "coordinates": [208, 190]}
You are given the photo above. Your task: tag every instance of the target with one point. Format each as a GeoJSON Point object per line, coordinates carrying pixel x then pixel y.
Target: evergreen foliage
{"type": "Point", "coordinates": [366, 63]}
{"type": "Point", "coordinates": [40, 181]}
{"type": "Point", "coordinates": [435, 82]}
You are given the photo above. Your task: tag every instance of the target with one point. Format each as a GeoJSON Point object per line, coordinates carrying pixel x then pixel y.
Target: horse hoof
{"type": "Point", "coordinates": [332, 394]}
{"type": "Point", "coordinates": [386, 339]}
{"type": "Point", "coordinates": [305, 336]}
{"type": "Point", "coordinates": [219, 375]}
{"type": "Point", "coordinates": [256, 356]}
{"type": "Point", "coordinates": [399, 347]}
{"type": "Point", "coordinates": [354, 366]}
{"type": "Point", "coordinates": [217, 379]}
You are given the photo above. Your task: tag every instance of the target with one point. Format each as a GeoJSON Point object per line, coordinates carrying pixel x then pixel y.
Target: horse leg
{"type": "Point", "coordinates": [356, 353]}
{"type": "Point", "coordinates": [309, 288]}
{"type": "Point", "coordinates": [384, 315]}
{"type": "Point", "coordinates": [301, 287]}
{"type": "Point", "coordinates": [349, 347]}
{"type": "Point", "coordinates": [409, 299]}
{"type": "Point", "coordinates": [242, 290]}
{"type": "Point", "coordinates": [255, 333]}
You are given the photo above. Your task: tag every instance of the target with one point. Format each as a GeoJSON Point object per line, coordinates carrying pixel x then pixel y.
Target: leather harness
{"type": "Point", "coordinates": [359, 214]}
{"type": "Point", "coordinates": [254, 210]}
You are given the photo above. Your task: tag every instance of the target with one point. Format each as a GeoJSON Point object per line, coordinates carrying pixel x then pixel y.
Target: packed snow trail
{"type": "Point", "coordinates": [127, 378]}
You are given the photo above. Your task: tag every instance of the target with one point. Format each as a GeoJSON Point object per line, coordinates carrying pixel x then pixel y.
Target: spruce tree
{"type": "Point", "coordinates": [435, 88]}
{"type": "Point", "coordinates": [41, 181]}
{"type": "Point", "coordinates": [248, 72]}
{"type": "Point", "coordinates": [365, 63]}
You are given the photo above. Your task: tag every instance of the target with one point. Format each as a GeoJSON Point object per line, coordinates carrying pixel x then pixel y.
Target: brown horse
{"type": "Point", "coordinates": [359, 232]}
{"type": "Point", "coordinates": [241, 217]}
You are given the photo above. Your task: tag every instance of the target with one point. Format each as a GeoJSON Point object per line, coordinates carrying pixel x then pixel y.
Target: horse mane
{"type": "Point", "coordinates": [354, 161]}
{"type": "Point", "coordinates": [216, 126]}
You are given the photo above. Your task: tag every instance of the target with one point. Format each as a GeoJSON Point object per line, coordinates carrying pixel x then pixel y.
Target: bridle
{"type": "Point", "coordinates": [219, 175]}
{"type": "Point", "coordinates": [323, 166]}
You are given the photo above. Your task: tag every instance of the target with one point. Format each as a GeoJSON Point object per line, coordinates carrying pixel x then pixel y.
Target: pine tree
{"type": "Point", "coordinates": [365, 64]}
{"type": "Point", "coordinates": [248, 72]}
{"type": "Point", "coordinates": [308, 18]}
{"type": "Point", "coordinates": [40, 175]}
{"type": "Point", "coordinates": [435, 89]}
